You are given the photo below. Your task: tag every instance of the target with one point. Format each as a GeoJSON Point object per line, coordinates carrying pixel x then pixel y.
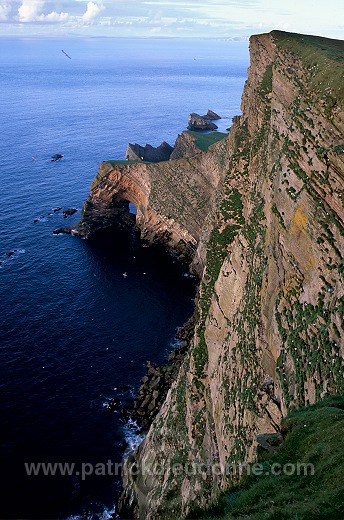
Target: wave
{"type": "Point", "coordinates": [133, 436]}
{"type": "Point", "coordinates": [104, 513]}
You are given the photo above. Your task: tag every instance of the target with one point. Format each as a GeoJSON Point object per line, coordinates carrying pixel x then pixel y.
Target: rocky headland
{"type": "Point", "coordinates": [259, 215]}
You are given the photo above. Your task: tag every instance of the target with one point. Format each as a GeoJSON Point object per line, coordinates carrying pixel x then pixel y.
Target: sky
{"type": "Point", "coordinates": [236, 19]}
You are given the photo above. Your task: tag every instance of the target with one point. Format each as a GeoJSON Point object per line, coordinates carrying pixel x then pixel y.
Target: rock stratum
{"type": "Point", "coordinates": [136, 152]}
{"type": "Point", "coordinates": [260, 215]}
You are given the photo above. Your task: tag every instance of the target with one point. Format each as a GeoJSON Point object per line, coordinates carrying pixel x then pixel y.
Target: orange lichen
{"type": "Point", "coordinates": [300, 220]}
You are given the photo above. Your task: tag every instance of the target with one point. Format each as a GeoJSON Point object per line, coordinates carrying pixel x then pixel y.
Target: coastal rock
{"type": "Point", "coordinates": [199, 123]}
{"type": "Point", "coordinates": [56, 157]}
{"type": "Point", "coordinates": [173, 200]}
{"type": "Point", "coordinates": [69, 212]}
{"type": "Point", "coordinates": [158, 381]}
{"type": "Point", "coordinates": [63, 230]}
{"type": "Point", "coordinates": [148, 153]}
{"type": "Point", "coordinates": [212, 116]}
{"type": "Point", "coordinates": [185, 147]}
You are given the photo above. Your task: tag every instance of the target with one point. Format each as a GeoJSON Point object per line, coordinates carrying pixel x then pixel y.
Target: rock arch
{"type": "Point", "coordinates": [173, 200]}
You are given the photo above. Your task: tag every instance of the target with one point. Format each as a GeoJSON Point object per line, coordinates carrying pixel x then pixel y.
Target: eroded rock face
{"type": "Point", "coordinates": [270, 309]}
{"type": "Point", "coordinates": [185, 147]}
{"type": "Point", "coordinates": [149, 153]}
{"type": "Point", "coordinates": [174, 200]}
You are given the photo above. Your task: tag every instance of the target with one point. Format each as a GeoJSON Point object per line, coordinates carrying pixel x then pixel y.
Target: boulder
{"type": "Point", "coordinates": [60, 231]}
{"type": "Point", "coordinates": [56, 157]}
{"type": "Point", "coordinates": [68, 212]}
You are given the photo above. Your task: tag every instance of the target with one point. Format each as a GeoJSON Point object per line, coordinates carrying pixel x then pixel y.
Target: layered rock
{"type": "Point", "coordinates": [185, 147]}
{"type": "Point", "coordinates": [270, 324]}
{"type": "Point", "coordinates": [173, 200]}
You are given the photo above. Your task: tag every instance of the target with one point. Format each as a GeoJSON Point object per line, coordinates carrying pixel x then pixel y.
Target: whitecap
{"type": "Point", "coordinates": [105, 514]}
{"type": "Point", "coordinates": [133, 436]}
{"type": "Point", "coordinates": [189, 275]}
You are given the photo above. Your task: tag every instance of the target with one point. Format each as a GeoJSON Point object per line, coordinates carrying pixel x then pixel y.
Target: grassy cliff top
{"type": "Point", "coordinates": [203, 141]}
{"type": "Point", "coordinates": [125, 162]}
{"type": "Point", "coordinates": [323, 58]}
{"type": "Point", "coordinates": [312, 435]}
{"type": "Point", "coordinates": [308, 45]}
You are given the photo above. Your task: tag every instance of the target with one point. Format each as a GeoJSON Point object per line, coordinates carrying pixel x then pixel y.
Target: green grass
{"type": "Point", "coordinates": [116, 163]}
{"type": "Point", "coordinates": [323, 58]}
{"type": "Point", "coordinates": [203, 141]}
{"type": "Point", "coordinates": [313, 435]}
{"type": "Point", "coordinates": [307, 45]}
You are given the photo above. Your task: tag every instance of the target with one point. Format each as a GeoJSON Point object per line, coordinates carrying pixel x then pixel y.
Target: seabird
{"type": "Point", "coordinates": [66, 54]}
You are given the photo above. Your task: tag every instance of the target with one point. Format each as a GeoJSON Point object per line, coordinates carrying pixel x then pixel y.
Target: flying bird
{"type": "Point", "coordinates": [66, 54]}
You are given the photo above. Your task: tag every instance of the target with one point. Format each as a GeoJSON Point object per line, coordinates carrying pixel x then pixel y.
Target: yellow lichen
{"type": "Point", "coordinates": [300, 221]}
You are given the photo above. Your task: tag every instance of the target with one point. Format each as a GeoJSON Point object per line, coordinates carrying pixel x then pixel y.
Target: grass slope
{"type": "Point", "coordinates": [323, 56]}
{"type": "Point", "coordinates": [312, 435]}
{"type": "Point", "coordinates": [119, 162]}
{"type": "Point", "coordinates": [203, 141]}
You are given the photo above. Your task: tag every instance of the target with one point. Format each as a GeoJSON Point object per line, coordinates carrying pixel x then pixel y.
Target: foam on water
{"type": "Point", "coordinates": [133, 436]}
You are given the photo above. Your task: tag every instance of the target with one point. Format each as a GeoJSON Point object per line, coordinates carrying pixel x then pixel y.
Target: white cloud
{"type": "Point", "coordinates": [5, 10]}
{"type": "Point", "coordinates": [31, 11]}
{"type": "Point", "coordinates": [92, 11]}
{"type": "Point", "coordinates": [54, 17]}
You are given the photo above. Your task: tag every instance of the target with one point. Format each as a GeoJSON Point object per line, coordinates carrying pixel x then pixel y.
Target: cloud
{"type": "Point", "coordinates": [54, 17]}
{"type": "Point", "coordinates": [92, 11]}
{"type": "Point", "coordinates": [31, 11]}
{"type": "Point", "coordinates": [5, 10]}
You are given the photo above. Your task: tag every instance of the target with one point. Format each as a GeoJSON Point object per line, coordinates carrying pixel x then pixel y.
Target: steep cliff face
{"type": "Point", "coordinates": [270, 323]}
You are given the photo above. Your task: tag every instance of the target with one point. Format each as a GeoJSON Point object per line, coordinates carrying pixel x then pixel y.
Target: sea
{"type": "Point", "coordinates": [80, 318]}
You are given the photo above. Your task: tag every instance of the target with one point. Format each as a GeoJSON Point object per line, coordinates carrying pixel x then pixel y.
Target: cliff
{"type": "Point", "coordinates": [269, 331]}
{"type": "Point", "coordinates": [261, 215]}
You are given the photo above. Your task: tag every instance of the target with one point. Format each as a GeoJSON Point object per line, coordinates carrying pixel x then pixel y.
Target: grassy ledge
{"type": "Point", "coordinates": [125, 162]}
{"type": "Point", "coordinates": [312, 436]}
{"type": "Point", "coordinates": [203, 141]}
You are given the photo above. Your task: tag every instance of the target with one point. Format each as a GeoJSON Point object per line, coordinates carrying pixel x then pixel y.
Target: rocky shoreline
{"type": "Point", "coordinates": [158, 380]}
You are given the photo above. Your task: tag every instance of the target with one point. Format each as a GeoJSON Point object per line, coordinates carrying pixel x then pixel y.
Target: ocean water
{"type": "Point", "coordinates": [74, 332]}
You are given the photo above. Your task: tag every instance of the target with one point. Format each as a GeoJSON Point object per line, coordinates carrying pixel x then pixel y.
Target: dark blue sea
{"type": "Point", "coordinates": [74, 332]}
